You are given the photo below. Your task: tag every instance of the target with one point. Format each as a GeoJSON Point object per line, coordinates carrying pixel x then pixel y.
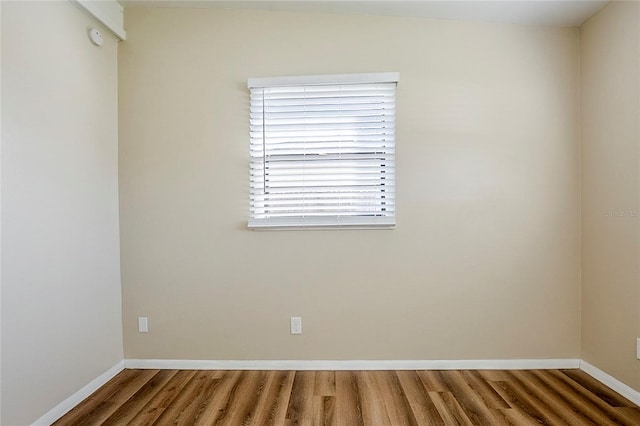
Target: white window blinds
{"type": "Point", "coordinates": [323, 151]}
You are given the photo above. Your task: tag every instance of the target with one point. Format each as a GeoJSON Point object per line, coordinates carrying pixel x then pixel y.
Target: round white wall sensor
{"type": "Point", "coordinates": [96, 37]}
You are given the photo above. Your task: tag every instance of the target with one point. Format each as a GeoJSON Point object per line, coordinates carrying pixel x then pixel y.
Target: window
{"type": "Point", "coordinates": [323, 151]}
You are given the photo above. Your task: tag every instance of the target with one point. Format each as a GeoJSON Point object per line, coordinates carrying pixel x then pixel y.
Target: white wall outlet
{"type": "Point", "coordinates": [638, 348]}
{"type": "Point", "coordinates": [296, 325]}
{"type": "Point", "coordinates": [143, 325]}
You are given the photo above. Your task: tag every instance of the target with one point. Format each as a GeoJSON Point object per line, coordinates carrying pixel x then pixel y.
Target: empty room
{"type": "Point", "coordinates": [319, 212]}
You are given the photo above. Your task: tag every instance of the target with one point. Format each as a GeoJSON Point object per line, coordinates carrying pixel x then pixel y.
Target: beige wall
{"type": "Point", "coordinates": [484, 262]}
{"type": "Point", "coordinates": [61, 307]}
{"type": "Point", "coordinates": [610, 190]}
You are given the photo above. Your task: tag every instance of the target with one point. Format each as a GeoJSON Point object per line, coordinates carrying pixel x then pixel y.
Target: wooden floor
{"type": "Point", "coordinates": [188, 397]}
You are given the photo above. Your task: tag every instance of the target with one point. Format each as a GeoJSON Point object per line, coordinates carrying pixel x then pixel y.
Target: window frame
{"type": "Point", "coordinates": [338, 221]}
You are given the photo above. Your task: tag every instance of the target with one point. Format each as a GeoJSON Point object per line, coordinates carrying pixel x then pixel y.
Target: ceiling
{"type": "Point", "coordinates": [566, 13]}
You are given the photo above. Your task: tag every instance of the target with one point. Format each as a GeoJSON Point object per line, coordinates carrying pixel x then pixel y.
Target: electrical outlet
{"type": "Point", "coordinates": [143, 325]}
{"type": "Point", "coordinates": [296, 325]}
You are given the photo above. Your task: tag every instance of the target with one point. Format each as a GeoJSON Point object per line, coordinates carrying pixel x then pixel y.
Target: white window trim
{"type": "Point", "coordinates": [309, 80]}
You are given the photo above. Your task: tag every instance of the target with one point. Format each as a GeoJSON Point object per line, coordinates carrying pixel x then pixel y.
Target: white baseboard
{"type": "Point", "coordinates": [611, 382]}
{"type": "Point", "coordinates": [483, 364]}
{"type": "Point", "coordinates": [65, 406]}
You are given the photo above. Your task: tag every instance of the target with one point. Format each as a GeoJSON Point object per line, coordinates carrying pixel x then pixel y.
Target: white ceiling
{"type": "Point", "coordinates": [527, 12]}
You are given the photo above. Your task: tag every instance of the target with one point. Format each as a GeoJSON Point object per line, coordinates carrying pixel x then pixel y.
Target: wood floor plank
{"type": "Point", "coordinates": [325, 383]}
{"type": "Point", "coordinates": [97, 412]}
{"type": "Point", "coordinates": [604, 393]}
{"type": "Point", "coordinates": [127, 411]}
{"type": "Point", "coordinates": [242, 409]}
{"type": "Point", "coordinates": [587, 398]}
{"type": "Point", "coordinates": [97, 398]}
{"type": "Point", "coordinates": [489, 396]}
{"type": "Point", "coordinates": [494, 375]}
{"type": "Point", "coordinates": [189, 405]}
{"type": "Point", "coordinates": [353, 398]}
{"type": "Point", "coordinates": [422, 406]}
{"type": "Point", "coordinates": [113, 386]}
{"type": "Point", "coordinates": [522, 406]}
{"type": "Point", "coordinates": [432, 381]}
{"type": "Point", "coordinates": [322, 410]}
{"type": "Point", "coordinates": [371, 400]}
{"type": "Point", "coordinates": [216, 411]}
{"type": "Point", "coordinates": [529, 394]}
{"type": "Point", "coordinates": [515, 417]}
{"type": "Point", "coordinates": [396, 402]}
{"type": "Point", "coordinates": [299, 410]}
{"type": "Point", "coordinates": [449, 409]}
{"type": "Point", "coordinates": [160, 401]}
{"type": "Point", "coordinates": [475, 409]}
{"type": "Point", "coordinates": [124, 393]}
{"type": "Point", "coordinates": [106, 400]}
{"type": "Point", "coordinates": [348, 404]}
{"type": "Point", "coordinates": [562, 393]}
{"type": "Point", "coordinates": [566, 408]}
{"type": "Point", "coordinates": [276, 399]}
{"type": "Point", "coordinates": [328, 410]}
{"type": "Point", "coordinates": [630, 414]}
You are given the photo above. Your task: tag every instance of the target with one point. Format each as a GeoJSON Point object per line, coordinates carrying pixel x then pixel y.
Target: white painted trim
{"type": "Point", "coordinates": [484, 364]}
{"type": "Point", "coordinates": [65, 406]}
{"type": "Point", "coordinates": [611, 382]}
{"type": "Point", "coordinates": [316, 80]}
{"type": "Point", "coordinates": [108, 12]}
